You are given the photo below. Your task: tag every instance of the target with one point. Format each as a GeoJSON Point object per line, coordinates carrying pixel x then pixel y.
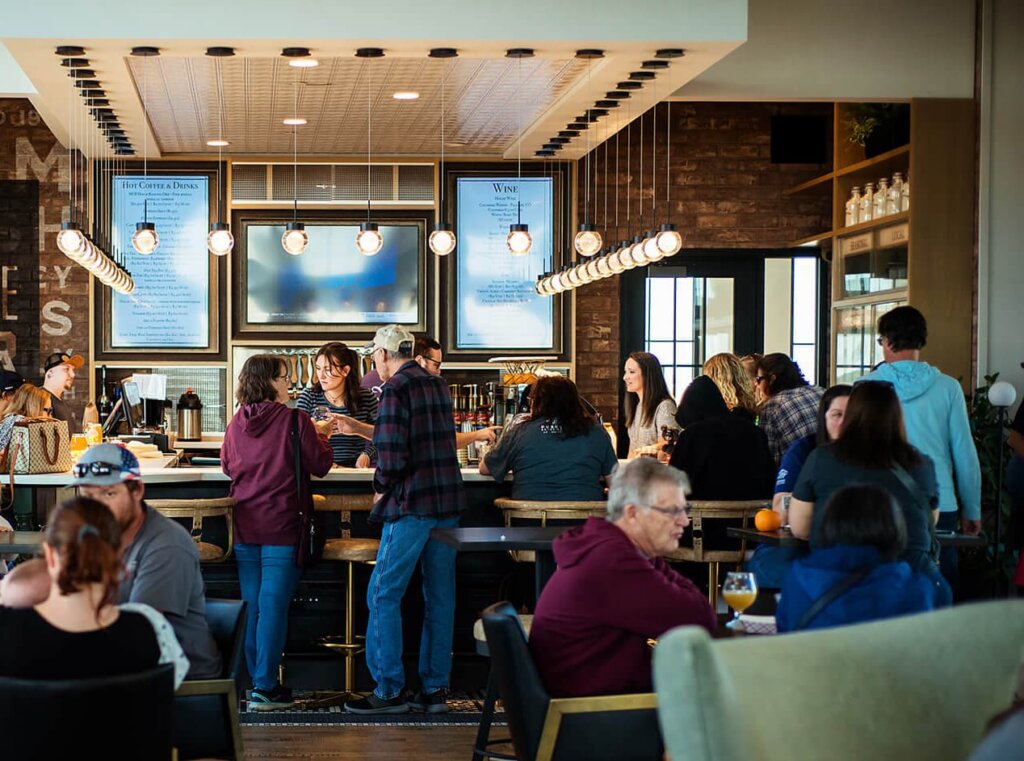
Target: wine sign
{"type": "Point", "coordinates": [496, 304]}
{"type": "Point", "coordinates": [170, 307]}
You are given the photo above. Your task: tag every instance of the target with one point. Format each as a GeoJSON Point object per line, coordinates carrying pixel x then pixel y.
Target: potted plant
{"type": "Point", "coordinates": [878, 127]}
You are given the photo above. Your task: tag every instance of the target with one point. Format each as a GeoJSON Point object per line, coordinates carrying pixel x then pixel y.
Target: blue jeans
{"type": "Point", "coordinates": [268, 576]}
{"type": "Point", "coordinates": [403, 544]}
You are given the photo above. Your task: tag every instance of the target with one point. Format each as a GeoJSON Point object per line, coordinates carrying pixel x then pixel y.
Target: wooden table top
{"type": "Point", "coordinates": [784, 538]}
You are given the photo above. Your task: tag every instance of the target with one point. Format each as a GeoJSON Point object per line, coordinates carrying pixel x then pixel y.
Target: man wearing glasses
{"type": "Point", "coordinates": [160, 559]}
{"type": "Point", "coordinates": [613, 590]}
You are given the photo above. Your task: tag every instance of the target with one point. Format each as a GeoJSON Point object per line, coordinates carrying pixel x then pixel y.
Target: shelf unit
{"type": "Point", "coordinates": [923, 257]}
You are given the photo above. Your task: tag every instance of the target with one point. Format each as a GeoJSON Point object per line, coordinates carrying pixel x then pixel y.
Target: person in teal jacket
{"type": "Point", "coordinates": [935, 416]}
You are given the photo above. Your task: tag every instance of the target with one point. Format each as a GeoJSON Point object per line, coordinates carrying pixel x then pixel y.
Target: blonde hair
{"type": "Point", "coordinates": [733, 381]}
{"type": "Point", "coordinates": [28, 400]}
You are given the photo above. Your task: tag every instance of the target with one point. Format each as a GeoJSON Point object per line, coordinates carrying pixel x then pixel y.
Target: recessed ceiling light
{"type": "Point", "coordinates": [303, 63]}
{"type": "Point", "coordinates": [406, 95]}
{"type": "Point", "coordinates": [293, 121]}
{"type": "Point", "coordinates": [218, 143]}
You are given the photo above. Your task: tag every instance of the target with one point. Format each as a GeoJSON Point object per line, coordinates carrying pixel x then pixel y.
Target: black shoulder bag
{"type": "Point", "coordinates": [307, 551]}
{"type": "Point", "coordinates": [833, 594]}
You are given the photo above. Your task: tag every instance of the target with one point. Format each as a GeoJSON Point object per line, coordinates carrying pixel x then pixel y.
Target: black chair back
{"type": "Point", "coordinates": [118, 717]}
{"type": "Point", "coordinates": [521, 689]}
{"type": "Point", "coordinates": [226, 619]}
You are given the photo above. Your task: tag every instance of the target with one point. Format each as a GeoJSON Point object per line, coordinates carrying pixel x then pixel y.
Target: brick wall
{"type": "Point", "coordinates": [51, 312]}
{"type": "Point", "coordinates": [725, 193]}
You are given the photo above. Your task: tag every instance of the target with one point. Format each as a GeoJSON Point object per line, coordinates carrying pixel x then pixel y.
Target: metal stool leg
{"type": "Point", "coordinates": [713, 586]}
{"type": "Point", "coordinates": [350, 654]}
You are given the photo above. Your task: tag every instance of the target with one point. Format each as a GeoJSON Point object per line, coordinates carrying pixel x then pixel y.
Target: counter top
{"type": "Point", "coordinates": [156, 472]}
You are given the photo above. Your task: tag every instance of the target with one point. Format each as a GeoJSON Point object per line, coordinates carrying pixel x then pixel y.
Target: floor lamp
{"type": "Point", "coordinates": [1001, 395]}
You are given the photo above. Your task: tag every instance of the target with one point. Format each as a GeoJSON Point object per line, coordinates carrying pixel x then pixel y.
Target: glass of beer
{"type": "Point", "coordinates": [739, 590]}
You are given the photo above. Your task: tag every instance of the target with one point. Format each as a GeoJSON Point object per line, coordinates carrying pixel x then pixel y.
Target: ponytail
{"type": "Point", "coordinates": [86, 537]}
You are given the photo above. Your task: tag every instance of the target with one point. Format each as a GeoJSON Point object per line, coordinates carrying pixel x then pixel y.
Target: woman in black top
{"type": "Point", "coordinates": [78, 632]}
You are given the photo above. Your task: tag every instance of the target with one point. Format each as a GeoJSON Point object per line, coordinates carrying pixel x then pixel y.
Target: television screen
{"type": "Point", "coordinates": [331, 282]}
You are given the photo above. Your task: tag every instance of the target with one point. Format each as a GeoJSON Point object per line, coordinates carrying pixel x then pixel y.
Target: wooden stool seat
{"type": "Point", "coordinates": [342, 503]}
{"type": "Point", "coordinates": [199, 510]}
{"type": "Point", "coordinates": [541, 510]}
{"type": "Point", "coordinates": [351, 550]}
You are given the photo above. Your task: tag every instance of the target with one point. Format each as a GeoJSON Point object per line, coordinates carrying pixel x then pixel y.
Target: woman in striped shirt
{"type": "Point", "coordinates": [337, 389]}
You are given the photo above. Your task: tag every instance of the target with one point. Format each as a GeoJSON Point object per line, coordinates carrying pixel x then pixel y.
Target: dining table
{"type": "Point", "coordinates": [20, 542]}
{"type": "Point", "coordinates": [783, 537]}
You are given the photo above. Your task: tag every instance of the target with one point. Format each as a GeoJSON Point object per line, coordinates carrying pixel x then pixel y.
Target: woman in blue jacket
{"type": "Point", "coordinates": [854, 574]}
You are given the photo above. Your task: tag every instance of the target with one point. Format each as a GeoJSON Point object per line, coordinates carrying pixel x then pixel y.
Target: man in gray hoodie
{"type": "Point", "coordinates": [935, 416]}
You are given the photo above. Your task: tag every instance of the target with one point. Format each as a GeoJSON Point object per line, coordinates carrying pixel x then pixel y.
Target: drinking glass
{"type": "Point", "coordinates": [739, 590]}
{"type": "Point", "coordinates": [79, 444]}
{"type": "Point", "coordinates": [321, 412]}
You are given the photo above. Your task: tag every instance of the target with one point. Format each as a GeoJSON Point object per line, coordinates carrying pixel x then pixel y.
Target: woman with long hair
{"type": "Point", "coordinates": [791, 404]}
{"type": "Point", "coordinates": [338, 389]}
{"type": "Point", "coordinates": [558, 452]}
{"type": "Point", "coordinates": [258, 456]}
{"type": "Point", "coordinates": [649, 405]}
{"type": "Point", "coordinates": [734, 383]}
{"type": "Point", "coordinates": [78, 632]}
{"type": "Point", "coordinates": [872, 448]}
{"type": "Point", "coordinates": [28, 402]}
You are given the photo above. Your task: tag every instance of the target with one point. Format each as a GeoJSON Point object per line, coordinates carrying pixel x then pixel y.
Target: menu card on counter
{"type": "Point", "coordinates": [496, 304]}
{"type": "Point", "coordinates": [170, 305]}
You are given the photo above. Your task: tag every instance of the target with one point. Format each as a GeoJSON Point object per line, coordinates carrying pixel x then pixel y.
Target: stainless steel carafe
{"type": "Point", "coordinates": [190, 417]}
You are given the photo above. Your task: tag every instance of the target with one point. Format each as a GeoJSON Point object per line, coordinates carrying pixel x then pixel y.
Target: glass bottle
{"type": "Point", "coordinates": [853, 207]}
{"type": "Point", "coordinates": [104, 406]}
{"type": "Point", "coordinates": [905, 194]}
{"type": "Point", "coordinates": [867, 201]}
{"type": "Point", "coordinates": [879, 201]}
{"type": "Point", "coordinates": [892, 199]}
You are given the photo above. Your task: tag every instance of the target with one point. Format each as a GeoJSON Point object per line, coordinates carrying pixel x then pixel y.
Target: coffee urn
{"type": "Point", "coordinates": [190, 417]}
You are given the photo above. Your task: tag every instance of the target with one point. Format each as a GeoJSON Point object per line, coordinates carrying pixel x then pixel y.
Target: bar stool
{"type": "Point", "coordinates": [199, 510]}
{"type": "Point", "coordinates": [541, 510]}
{"type": "Point", "coordinates": [349, 550]}
{"type": "Point", "coordinates": [714, 510]}
{"type": "Point", "coordinates": [483, 731]}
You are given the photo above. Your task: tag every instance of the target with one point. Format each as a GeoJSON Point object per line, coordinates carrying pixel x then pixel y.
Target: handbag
{"type": "Point", "coordinates": [309, 548]}
{"type": "Point", "coordinates": [43, 446]}
{"type": "Point", "coordinates": [7, 458]}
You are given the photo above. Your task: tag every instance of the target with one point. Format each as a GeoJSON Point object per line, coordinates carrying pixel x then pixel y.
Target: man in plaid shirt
{"type": "Point", "coordinates": [418, 487]}
{"type": "Point", "coordinates": [791, 409]}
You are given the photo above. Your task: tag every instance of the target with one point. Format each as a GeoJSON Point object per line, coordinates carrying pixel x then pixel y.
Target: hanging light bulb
{"type": "Point", "coordinates": [636, 251]}
{"type": "Point", "coordinates": [651, 251]}
{"type": "Point", "coordinates": [442, 239]}
{"type": "Point", "coordinates": [593, 271]}
{"type": "Point", "coordinates": [670, 242]}
{"type": "Point", "coordinates": [588, 240]}
{"type": "Point", "coordinates": [369, 240]}
{"type": "Point", "coordinates": [70, 239]}
{"type": "Point", "coordinates": [220, 241]}
{"type": "Point", "coordinates": [295, 238]}
{"type": "Point", "coordinates": [145, 239]}
{"type": "Point", "coordinates": [518, 240]}
{"type": "Point", "coordinates": [603, 269]}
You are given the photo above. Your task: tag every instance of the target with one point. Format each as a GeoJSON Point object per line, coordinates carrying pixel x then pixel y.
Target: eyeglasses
{"type": "Point", "coordinates": [671, 512]}
{"type": "Point", "coordinates": [760, 379]}
{"type": "Point", "coordinates": [281, 377]}
{"type": "Point", "coordinates": [95, 468]}
{"type": "Point", "coordinates": [437, 363]}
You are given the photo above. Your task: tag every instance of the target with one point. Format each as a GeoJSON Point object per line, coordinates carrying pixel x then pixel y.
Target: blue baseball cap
{"type": "Point", "coordinates": [106, 465]}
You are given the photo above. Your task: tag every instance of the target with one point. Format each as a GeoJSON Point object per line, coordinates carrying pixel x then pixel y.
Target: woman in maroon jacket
{"type": "Point", "coordinates": [258, 456]}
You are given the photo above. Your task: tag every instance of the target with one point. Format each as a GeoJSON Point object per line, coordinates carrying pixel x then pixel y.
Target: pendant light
{"type": "Point", "coordinates": [651, 250]}
{"type": "Point", "coordinates": [71, 240]}
{"type": "Point", "coordinates": [670, 242]}
{"type": "Point", "coordinates": [295, 238]}
{"type": "Point", "coordinates": [518, 240]}
{"type": "Point", "coordinates": [442, 238]}
{"type": "Point", "coordinates": [145, 240]}
{"type": "Point", "coordinates": [220, 241]}
{"type": "Point", "coordinates": [588, 240]}
{"type": "Point", "coordinates": [368, 240]}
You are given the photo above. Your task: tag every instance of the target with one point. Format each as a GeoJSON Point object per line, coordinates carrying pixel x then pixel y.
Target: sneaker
{"type": "Point", "coordinates": [274, 699]}
{"type": "Point", "coordinates": [372, 704]}
{"type": "Point", "coordinates": [434, 702]}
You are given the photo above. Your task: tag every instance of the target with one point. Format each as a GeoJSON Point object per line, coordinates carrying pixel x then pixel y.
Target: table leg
{"type": "Point", "coordinates": [544, 567]}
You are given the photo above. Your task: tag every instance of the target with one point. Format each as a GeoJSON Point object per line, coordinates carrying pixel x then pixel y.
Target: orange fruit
{"type": "Point", "coordinates": [767, 520]}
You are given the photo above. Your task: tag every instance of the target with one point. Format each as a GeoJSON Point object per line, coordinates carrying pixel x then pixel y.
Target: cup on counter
{"type": "Point", "coordinates": [79, 443]}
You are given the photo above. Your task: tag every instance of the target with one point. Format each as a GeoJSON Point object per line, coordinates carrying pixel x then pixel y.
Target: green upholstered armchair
{"type": "Point", "coordinates": [917, 687]}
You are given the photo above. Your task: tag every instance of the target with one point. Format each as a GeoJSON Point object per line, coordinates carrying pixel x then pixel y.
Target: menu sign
{"type": "Point", "coordinates": [170, 305]}
{"type": "Point", "coordinates": [496, 304]}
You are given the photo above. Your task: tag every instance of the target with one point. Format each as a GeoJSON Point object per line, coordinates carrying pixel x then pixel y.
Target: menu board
{"type": "Point", "coordinates": [496, 304]}
{"type": "Point", "coordinates": [170, 305]}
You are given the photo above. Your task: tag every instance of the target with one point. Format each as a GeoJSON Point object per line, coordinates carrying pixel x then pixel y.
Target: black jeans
{"type": "Point", "coordinates": [949, 558]}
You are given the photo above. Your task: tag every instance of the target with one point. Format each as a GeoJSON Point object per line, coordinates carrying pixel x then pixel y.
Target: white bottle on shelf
{"type": "Point", "coordinates": [853, 207]}
{"type": "Point", "coordinates": [867, 201]}
{"type": "Point", "coordinates": [879, 200]}
{"type": "Point", "coordinates": [905, 194]}
{"type": "Point", "coordinates": [892, 199]}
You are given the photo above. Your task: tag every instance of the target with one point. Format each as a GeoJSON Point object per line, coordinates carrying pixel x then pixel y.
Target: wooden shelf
{"type": "Point", "coordinates": [819, 238]}
{"type": "Point", "coordinates": [874, 224]}
{"type": "Point", "coordinates": [823, 182]}
{"type": "Point", "coordinates": [878, 161]}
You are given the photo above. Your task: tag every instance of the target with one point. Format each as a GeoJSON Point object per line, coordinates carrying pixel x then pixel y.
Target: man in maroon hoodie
{"type": "Point", "coordinates": [613, 591]}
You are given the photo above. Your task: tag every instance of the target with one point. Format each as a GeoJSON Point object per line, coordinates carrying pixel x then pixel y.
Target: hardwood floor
{"type": "Point", "coordinates": [341, 743]}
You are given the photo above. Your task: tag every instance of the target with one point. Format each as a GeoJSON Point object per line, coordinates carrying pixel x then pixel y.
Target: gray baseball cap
{"type": "Point", "coordinates": [106, 465]}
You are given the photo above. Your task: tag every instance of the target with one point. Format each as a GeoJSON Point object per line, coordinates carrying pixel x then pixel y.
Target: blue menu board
{"type": "Point", "coordinates": [496, 304]}
{"type": "Point", "coordinates": [170, 307]}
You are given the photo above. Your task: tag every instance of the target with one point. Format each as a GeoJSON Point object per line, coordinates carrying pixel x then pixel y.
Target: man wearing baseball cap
{"type": "Point", "coordinates": [418, 487]}
{"type": "Point", "coordinates": [160, 559]}
{"type": "Point", "coordinates": [58, 377]}
{"type": "Point", "coordinates": [10, 382]}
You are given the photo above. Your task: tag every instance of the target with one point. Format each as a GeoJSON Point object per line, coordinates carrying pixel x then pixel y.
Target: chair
{"type": "Point", "coordinates": [715, 510]}
{"type": "Point", "coordinates": [920, 686]}
{"type": "Point", "coordinates": [118, 717]}
{"type": "Point", "coordinates": [199, 510]}
{"type": "Point", "coordinates": [619, 727]}
{"type": "Point", "coordinates": [483, 732]}
{"type": "Point", "coordinates": [349, 550]}
{"type": "Point", "coordinates": [541, 510]}
{"type": "Point", "coordinates": [206, 710]}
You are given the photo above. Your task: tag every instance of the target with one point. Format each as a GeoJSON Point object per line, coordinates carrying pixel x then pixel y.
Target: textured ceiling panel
{"type": "Point", "coordinates": [487, 101]}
